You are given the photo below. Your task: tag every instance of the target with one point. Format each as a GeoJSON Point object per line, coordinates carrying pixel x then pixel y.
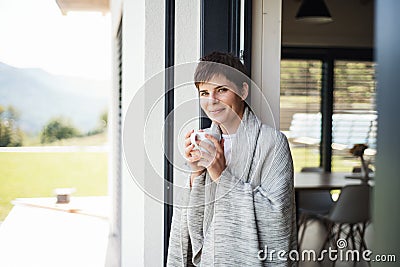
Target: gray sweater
{"type": "Point", "coordinates": [247, 218]}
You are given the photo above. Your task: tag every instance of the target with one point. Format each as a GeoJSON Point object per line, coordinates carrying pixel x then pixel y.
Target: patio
{"type": "Point", "coordinates": [39, 233]}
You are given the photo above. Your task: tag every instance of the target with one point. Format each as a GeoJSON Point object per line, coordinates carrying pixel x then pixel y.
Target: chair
{"type": "Point", "coordinates": [359, 170]}
{"type": "Point", "coordinates": [311, 205]}
{"type": "Point", "coordinates": [349, 217]}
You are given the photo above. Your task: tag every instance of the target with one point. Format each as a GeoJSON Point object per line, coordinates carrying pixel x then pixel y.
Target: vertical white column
{"type": "Point", "coordinates": [113, 257]}
{"type": "Point", "coordinates": [187, 31]}
{"type": "Point", "coordinates": [266, 57]}
{"type": "Point", "coordinates": [133, 77]}
{"type": "Point", "coordinates": [154, 65]}
{"type": "Point", "coordinates": [187, 50]}
{"type": "Point", "coordinates": [143, 57]}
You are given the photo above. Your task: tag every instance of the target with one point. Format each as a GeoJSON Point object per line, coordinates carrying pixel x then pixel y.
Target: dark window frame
{"type": "Point", "coordinates": [220, 31]}
{"type": "Point", "coordinates": [169, 105]}
{"type": "Point", "coordinates": [328, 56]}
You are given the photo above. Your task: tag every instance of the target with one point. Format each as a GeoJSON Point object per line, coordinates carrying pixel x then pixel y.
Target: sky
{"type": "Point", "coordinates": [34, 34]}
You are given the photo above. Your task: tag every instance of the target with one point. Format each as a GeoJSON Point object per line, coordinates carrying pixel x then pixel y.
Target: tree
{"type": "Point", "coordinates": [57, 129]}
{"type": "Point", "coordinates": [104, 118]}
{"type": "Point", "coordinates": [10, 133]}
{"type": "Point", "coordinates": [102, 124]}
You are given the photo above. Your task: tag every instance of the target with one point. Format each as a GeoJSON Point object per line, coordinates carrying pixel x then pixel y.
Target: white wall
{"type": "Point", "coordinates": [133, 77]}
{"type": "Point", "coordinates": [116, 7]}
{"type": "Point", "coordinates": [114, 179]}
{"type": "Point", "coordinates": [187, 31]}
{"type": "Point", "coordinates": [352, 26]}
{"type": "Point", "coordinates": [143, 60]}
{"type": "Point", "coordinates": [266, 56]}
{"type": "Point", "coordinates": [143, 57]}
{"type": "Point", "coordinates": [187, 52]}
{"type": "Point", "coordinates": [154, 63]}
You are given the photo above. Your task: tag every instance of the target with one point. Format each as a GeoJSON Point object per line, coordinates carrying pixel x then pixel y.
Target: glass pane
{"type": "Point", "coordinates": [300, 117]}
{"type": "Point", "coordinates": [354, 113]}
{"type": "Point", "coordinates": [55, 82]}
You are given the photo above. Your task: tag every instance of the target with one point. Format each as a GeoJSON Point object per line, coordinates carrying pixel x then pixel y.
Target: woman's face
{"type": "Point", "coordinates": [223, 102]}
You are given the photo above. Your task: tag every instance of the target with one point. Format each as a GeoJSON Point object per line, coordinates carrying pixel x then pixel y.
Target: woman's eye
{"type": "Point", "coordinates": [203, 93]}
{"type": "Point", "coordinates": [222, 90]}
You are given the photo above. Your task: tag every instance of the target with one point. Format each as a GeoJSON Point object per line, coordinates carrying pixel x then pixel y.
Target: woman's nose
{"type": "Point", "coordinates": [213, 98]}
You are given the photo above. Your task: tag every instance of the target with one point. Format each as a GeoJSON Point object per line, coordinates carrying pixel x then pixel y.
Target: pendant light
{"type": "Point", "coordinates": [314, 11]}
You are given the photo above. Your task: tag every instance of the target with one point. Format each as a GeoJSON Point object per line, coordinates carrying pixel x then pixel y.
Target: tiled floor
{"type": "Point", "coordinates": [313, 239]}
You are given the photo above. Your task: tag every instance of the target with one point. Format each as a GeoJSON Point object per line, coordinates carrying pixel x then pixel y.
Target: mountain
{"type": "Point", "coordinates": [40, 96]}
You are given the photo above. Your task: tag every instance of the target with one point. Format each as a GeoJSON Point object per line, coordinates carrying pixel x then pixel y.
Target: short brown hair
{"type": "Point", "coordinates": [207, 69]}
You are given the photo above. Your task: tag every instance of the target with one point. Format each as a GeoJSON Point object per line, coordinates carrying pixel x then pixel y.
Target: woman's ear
{"type": "Point", "coordinates": [245, 91]}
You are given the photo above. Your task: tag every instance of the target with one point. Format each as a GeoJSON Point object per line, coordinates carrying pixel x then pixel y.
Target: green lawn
{"type": "Point", "coordinates": [309, 157]}
{"type": "Point", "coordinates": [304, 157]}
{"type": "Point", "coordinates": [28, 174]}
{"type": "Point", "coordinates": [93, 140]}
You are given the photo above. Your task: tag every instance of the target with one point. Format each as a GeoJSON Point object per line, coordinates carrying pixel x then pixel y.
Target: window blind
{"type": "Point", "coordinates": [300, 101]}
{"type": "Point", "coordinates": [354, 111]}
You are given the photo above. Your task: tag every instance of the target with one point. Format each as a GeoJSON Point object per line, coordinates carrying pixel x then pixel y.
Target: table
{"type": "Point", "coordinates": [325, 180]}
{"type": "Point", "coordinates": [96, 206]}
{"type": "Point", "coordinates": [306, 181]}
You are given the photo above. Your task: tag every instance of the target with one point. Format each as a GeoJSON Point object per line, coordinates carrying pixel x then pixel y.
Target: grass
{"type": "Point", "coordinates": [26, 174]}
{"type": "Point", "coordinates": [309, 157]}
{"type": "Point", "coordinates": [37, 174]}
{"type": "Point", "coordinates": [93, 140]}
{"type": "Point", "coordinates": [304, 157]}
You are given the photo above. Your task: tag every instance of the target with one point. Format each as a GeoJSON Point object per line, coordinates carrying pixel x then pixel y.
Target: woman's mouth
{"type": "Point", "coordinates": [216, 111]}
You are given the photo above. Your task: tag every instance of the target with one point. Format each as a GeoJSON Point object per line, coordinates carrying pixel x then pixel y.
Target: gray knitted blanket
{"type": "Point", "coordinates": [247, 218]}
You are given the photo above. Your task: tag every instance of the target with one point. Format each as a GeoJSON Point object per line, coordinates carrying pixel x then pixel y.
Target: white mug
{"type": "Point", "coordinates": [201, 136]}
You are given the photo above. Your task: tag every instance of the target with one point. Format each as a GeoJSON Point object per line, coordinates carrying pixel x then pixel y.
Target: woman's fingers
{"type": "Point", "coordinates": [217, 144]}
{"type": "Point", "coordinates": [190, 154]}
{"type": "Point", "coordinates": [188, 134]}
{"type": "Point", "coordinates": [188, 149]}
{"type": "Point", "coordinates": [188, 142]}
{"type": "Point", "coordinates": [210, 149]}
{"type": "Point", "coordinates": [195, 155]}
{"type": "Point", "coordinates": [207, 146]}
{"type": "Point", "coordinates": [187, 138]}
{"type": "Point", "coordinates": [206, 160]}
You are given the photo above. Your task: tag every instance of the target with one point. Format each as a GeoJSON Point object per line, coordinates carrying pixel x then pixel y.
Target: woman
{"type": "Point", "coordinates": [240, 207]}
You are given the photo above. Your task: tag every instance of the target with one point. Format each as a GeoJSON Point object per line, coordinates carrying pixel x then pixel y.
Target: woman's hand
{"type": "Point", "coordinates": [213, 158]}
{"type": "Point", "coordinates": [192, 157]}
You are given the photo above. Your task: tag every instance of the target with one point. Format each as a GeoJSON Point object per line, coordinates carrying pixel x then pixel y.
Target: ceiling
{"type": "Point", "coordinates": [83, 5]}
